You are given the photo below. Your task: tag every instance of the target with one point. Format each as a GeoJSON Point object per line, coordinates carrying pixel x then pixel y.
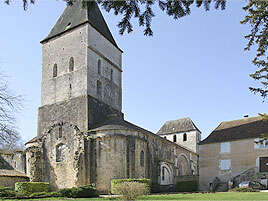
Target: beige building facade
{"type": "Point", "coordinates": [234, 149]}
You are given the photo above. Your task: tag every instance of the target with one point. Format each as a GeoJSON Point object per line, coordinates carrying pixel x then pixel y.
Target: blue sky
{"type": "Point", "coordinates": [193, 67]}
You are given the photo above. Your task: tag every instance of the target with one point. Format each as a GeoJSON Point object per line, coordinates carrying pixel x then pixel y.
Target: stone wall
{"type": "Point", "coordinates": [59, 51]}
{"type": "Point", "coordinates": [86, 46]}
{"type": "Point", "coordinates": [13, 160]}
{"type": "Point", "coordinates": [118, 155]}
{"type": "Point", "coordinates": [9, 181]}
{"type": "Point", "coordinates": [193, 138]}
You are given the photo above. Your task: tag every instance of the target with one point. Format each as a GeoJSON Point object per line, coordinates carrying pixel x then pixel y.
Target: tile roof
{"type": "Point", "coordinates": [178, 126]}
{"type": "Point", "coordinates": [75, 15]}
{"type": "Point", "coordinates": [238, 129]}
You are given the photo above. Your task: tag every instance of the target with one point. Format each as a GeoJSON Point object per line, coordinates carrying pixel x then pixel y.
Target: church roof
{"type": "Point", "coordinates": [76, 15]}
{"type": "Point", "coordinates": [117, 123]}
{"type": "Point", "coordinates": [252, 127]}
{"type": "Point", "coordinates": [178, 126]}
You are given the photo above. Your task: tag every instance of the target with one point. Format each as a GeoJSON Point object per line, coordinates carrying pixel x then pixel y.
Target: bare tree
{"type": "Point", "coordinates": [9, 105]}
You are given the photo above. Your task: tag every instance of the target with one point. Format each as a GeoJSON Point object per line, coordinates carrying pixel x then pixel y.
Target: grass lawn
{"type": "Point", "coordinates": [194, 196]}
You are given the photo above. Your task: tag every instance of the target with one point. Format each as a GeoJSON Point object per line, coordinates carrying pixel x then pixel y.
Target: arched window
{"type": "Point", "coordinates": [112, 72]}
{"type": "Point", "coordinates": [163, 173]}
{"type": "Point", "coordinates": [142, 159]}
{"type": "Point", "coordinates": [55, 70]}
{"type": "Point", "coordinates": [71, 64]}
{"type": "Point", "coordinates": [174, 138]}
{"type": "Point", "coordinates": [99, 67]}
{"type": "Point", "coordinates": [60, 152]}
{"type": "Point", "coordinates": [165, 137]}
{"type": "Point", "coordinates": [184, 137]}
{"type": "Point", "coordinates": [99, 88]}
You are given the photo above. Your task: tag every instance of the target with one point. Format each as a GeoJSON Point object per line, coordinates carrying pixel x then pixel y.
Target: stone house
{"type": "Point", "coordinates": [82, 135]}
{"type": "Point", "coordinates": [234, 152]}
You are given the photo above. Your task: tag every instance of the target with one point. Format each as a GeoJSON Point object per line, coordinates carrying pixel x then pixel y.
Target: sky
{"type": "Point", "coordinates": [192, 67]}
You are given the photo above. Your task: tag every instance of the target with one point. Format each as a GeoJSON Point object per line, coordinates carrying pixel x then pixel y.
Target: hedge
{"type": "Point", "coordinates": [26, 188]}
{"type": "Point", "coordinates": [186, 186]}
{"type": "Point", "coordinates": [79, 192]}
{"type": "Point", "coordinates": [114, 182]}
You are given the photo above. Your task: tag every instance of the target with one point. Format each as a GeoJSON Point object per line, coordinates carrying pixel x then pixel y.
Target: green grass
{"type": "Point", "coordinates": [232, 196]}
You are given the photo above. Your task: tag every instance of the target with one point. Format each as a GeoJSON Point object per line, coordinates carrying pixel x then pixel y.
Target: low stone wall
{"type": "Point", "coordinates": [186, 178]}
{"type": "Point", "coordinates": [10, 180]}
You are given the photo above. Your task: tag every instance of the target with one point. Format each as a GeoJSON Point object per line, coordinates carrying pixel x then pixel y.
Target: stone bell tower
{"type": "Point", "coordinates": [81, 70]}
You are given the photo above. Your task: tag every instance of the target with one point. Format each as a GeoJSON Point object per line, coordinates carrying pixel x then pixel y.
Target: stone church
{"type": "Point", "coordinates": [82, 136]}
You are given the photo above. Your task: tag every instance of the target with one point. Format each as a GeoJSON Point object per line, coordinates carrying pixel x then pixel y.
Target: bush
{"type": "Point", "coordinates": [186, 186]}
{"type": "Point", "coordinates": [115, 182]}
{"type": "Point", "coordinates": [244, 190]}
{"type": "Point", "coordinates": [131, 190]}
{"type": "Point", "coordinates": [44, 195]}
{"type": "Point", "coordinates": [7, 192]}
{"type": "Point", "coordinates": [79, 192]}
{"type": "Point", "coordinates": [27, 188]}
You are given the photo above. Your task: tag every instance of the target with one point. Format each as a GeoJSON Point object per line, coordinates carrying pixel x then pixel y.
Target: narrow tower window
{"type": "Point", "coordinates": [112, 72]}
{"type": "Point", "coordinates": [184, 137]}
{"type": "Point", "coordinates": [71, 64]}
{"type": "Point", "coordinates": [163, 173]}
{"type": "Point", "coordinates": [99, 67]}
{"type": "Point", "coordinates": [55, 70]}
{"type": "Point", "coordinates": [174, 138]}
{"type": "Point", "coordinates": [99, 88]}
{"type": "Point", "coordinates": [142, 159]}
{"type": "Point", "coordinates": [60, 132]}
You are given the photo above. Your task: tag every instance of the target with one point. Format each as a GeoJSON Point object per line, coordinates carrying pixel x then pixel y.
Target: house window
{"type": "Point", "coordinates": [142, 159]}
{"type": "Point", "coordinates": [260, 143]}
{"type": "Point", "coordinates": [55, 70]}
{"type": "Point", "coordinates": [71, 64]}
{"type": "Point", "coordinates": [60, 152]}
{"type": "Point", "coordinates": [174, 138]}
{"type": "Point", "coordinates": [112, 72]}
{"type": "Point", "coordinates": [99, 67]}
{"type": "Point", "coordinates": [263, 164]}
{"type": "Point", "coordinates": [99, 88]}
{"type": "Point", "coordinates": [225, 164]}
{"type": "Point", "coordinates": [225, 147]}
{"type": "Point", "coordinates": [184, 137]}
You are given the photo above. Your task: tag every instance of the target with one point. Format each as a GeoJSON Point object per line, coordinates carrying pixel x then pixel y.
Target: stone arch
{"type": "Point", "coordinates": [183, 165]}
{"type": "Point", "coordinates": [166, 174]}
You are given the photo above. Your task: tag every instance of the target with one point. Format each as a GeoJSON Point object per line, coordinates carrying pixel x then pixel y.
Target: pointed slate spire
{"type": "Point", "coordinates": [76, 15]}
